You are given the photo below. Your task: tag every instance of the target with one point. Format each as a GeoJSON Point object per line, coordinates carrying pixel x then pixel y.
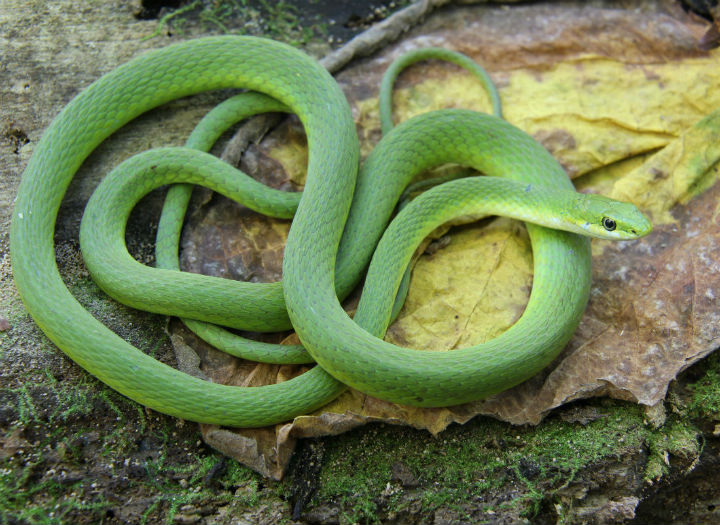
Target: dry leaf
{"type": "Point", "coordinates": [620, 98]}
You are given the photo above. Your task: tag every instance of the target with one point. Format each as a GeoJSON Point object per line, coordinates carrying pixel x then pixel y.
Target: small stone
{"type": "Point", "coordinates": [402, 473]}
{"type": "Point", "coordinates": [187, 519]}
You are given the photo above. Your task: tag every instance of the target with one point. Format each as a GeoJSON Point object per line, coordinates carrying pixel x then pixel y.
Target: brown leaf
{"type": "Point", "coordinates": [603, 102]}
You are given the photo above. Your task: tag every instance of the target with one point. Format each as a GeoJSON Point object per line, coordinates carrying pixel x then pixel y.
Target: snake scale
{"type": "Point", "coordinates": [337, 223]}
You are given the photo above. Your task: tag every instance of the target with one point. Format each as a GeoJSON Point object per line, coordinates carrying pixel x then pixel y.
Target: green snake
{"type": "Point", "coordinates": [339, 219]}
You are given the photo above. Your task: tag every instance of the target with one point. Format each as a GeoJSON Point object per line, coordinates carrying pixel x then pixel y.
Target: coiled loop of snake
{"type": "Point", "coordinates": [346, 351]}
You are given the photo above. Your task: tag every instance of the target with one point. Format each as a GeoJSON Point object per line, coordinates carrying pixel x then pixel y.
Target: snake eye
{"type": "Point", "coordinates": [608, 224]}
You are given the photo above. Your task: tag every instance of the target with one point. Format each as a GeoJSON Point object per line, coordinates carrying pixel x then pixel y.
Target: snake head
{"type": "Point", "coordinates": [607, 218]}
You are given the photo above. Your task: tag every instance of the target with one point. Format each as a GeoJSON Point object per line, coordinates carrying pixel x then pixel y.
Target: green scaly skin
{"type": "Point", "coordinates": [245, 105]}
{"type": "Point", "coordinates": [350, 352]}
{"type": "Point", "coordinates": [431, 53]}
{"type": "Point", "coordinates": [205, 134]}
{"type": "Point", "coordinates": [144, 83]}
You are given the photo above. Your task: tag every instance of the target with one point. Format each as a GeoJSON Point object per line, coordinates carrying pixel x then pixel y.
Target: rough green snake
{"type": "Point", "coordinates": [315, 271]}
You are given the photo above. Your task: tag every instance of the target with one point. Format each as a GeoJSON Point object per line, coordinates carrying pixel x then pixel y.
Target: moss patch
{"type": "Point", "coordinates": [279, 20]}
{"type": "Point", "coordinates": [478, 469]}
{"type": "Point", "coordinates": [77, 452]}
{"type": "Point", "coordinates": [705, 400]}
{"type": "Point", "coordinates": [74, 451]}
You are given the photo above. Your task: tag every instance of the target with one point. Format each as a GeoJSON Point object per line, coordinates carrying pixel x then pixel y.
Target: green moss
{"type": "Point", "coordinates": [676, 439]}
{"type": "Point", "coordinates": [705, 401]}
{"type": "Point", "coordinates": [66, 437]}
{"type": "Point", "coordinates": [18, 494]}
{"type": "Point", "coordinates": [279, 20]}
{"type": "Point", "coordinates": [465, 464]}
{"type": "Point", "coordinates": [73, 450]}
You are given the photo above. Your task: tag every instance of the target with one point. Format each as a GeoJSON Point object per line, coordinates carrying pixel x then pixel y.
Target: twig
{"type": "Point", "coordinates": [364, 44]}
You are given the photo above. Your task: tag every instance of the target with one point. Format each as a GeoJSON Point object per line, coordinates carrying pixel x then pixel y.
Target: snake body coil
{"type": "Point", "coordinates": [348, 352]}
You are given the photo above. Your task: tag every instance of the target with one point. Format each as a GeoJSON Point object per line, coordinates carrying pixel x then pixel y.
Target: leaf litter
{"type": "Point", "coordinates": [625, 101]}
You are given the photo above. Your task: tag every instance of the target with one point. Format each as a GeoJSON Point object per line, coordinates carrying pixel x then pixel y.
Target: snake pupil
{"type": "Point", "coordinates": [608, 224]}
